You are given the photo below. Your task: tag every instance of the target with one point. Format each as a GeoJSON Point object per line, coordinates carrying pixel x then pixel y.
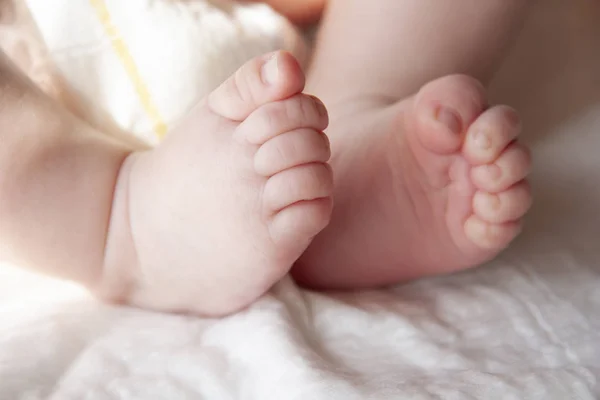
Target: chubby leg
{"type": "Point", "coordinates": [426, 183]}
{"type": "Point", "coordinates": [204, 223]}
{"type": "Point", "coordinates": [391, 48]}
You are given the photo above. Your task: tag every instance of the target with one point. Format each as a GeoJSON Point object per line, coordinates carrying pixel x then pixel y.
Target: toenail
{"type": "Point", "coordinates": [494, 202]}
{"type": "Point", "coordinates": [493, 171]}
{"type": "Point", "coordinates": [483, 141]}
{"type": "Point", "coordinates": [321, 109]}
{"type": "Point", "coordinates": [270, 70]}
{"type": "Point", "coordinates": [513, 118]}
{"type": "Point", "coordinates": [449, 118]}
{"type": "Point", "coordinates": [327, 141]}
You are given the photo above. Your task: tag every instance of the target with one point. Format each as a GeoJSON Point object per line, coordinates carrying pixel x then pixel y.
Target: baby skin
{"type": "Point", "coordinates": [204, 223]}
{"type": "Point", "coordinates": [216, 214]}
{"type": "Point", "coordinates": [243, 186]}
{"type": "Point", "coordinates": [429, 177]}
{"type": "Point", "coordinates": [432, 184]}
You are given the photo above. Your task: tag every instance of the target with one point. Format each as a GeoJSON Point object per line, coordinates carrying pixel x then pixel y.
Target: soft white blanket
{"type": "Point", "coordinates": [526, 326]}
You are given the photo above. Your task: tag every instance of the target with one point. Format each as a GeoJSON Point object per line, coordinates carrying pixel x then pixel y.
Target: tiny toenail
{"type": "Point", "coordinates": [450, 119]}
{"type": "Point", "coordinates": [483, 141]}
{"type": "Point", "coordinates": [270, 70]}
{"type": "Point", "coordinates": [513, 118]}
{"type": "Point", "coordinates": [494, 202]}
{"type": "Point", "coordinates": [327, 141]}
{"type": "Point", "coordinates": [321, 109]}
{"type": "Point", "coordinates": [493, 171]}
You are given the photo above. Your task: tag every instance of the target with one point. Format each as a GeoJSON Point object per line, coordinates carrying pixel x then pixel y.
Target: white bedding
{"type": "Point", "coordinates": [526, 326]}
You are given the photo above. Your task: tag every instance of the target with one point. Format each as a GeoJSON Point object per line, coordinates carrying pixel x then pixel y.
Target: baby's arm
{"type": "Point", "coordinates": [57, 181]}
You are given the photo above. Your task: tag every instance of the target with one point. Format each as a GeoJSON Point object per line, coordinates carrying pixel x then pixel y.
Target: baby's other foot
{"type": "Point", "coordinates": [431, 184]}
{"type": "Point", "coordinates": [226, 204]}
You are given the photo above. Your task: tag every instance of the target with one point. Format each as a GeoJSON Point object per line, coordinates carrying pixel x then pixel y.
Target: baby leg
{"type": "Point", "coordinates": [427, 182]}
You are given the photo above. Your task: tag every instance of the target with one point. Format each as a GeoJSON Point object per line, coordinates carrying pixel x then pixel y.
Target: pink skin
{"type": "Point", "coordinates": [223, 207]}
{"type": "Point", "coordinates": [429, 185]}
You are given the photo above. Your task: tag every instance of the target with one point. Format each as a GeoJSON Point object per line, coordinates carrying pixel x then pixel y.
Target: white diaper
{"type": "Point", "coordinates": [140, 65]}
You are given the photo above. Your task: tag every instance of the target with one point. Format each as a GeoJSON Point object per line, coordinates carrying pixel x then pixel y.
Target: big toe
{"type": "Point", "coordinates": [443, 110]}
{"type": "Point", "coordinates": [272, 77]}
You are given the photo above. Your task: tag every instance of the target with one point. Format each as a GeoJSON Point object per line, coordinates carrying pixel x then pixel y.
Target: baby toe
{"type": "Point", "coordinates": [491, 236]}
{"type": "Point", "coordinates": [272, 119]}
{"type": "Point", "coordinates": [302, 183]}
{"type": "Point", "coordinates": [261, 80]}
{"type": "Point", "coordinates": [490, 134]}
{"type": "Point", "coordinates": [502, 207]}
{"type": "Point", "coordinates": [299, 223]}
{"type": "Point", "coordinates": [298, 147]}
{"type": "Point", "coordinates": [443, 109]}
{"type": "Point", "coordinates": [298, 202]}
{"type": "Point", "coordinates": [512, 166]}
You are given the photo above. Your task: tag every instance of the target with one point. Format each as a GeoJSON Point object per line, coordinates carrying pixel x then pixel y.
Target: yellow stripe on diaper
{"type": "Point", "coordinates": [160, 128]}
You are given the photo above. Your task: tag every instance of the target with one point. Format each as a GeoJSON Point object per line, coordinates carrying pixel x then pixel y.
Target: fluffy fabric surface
{"type": "Point", "coordinates": [526, 326]}
{"type": "Point", "coordinates": [138, 66]}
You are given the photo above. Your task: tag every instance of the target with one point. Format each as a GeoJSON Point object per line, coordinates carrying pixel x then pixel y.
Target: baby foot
{"type": "Point", "coordinates": [226, 204]}
{"type": "Point", "coordinates": [429, 185]}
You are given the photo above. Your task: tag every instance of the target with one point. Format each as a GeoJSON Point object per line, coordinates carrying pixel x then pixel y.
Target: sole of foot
{"type": "Point", "coordinates": [432, 184]}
